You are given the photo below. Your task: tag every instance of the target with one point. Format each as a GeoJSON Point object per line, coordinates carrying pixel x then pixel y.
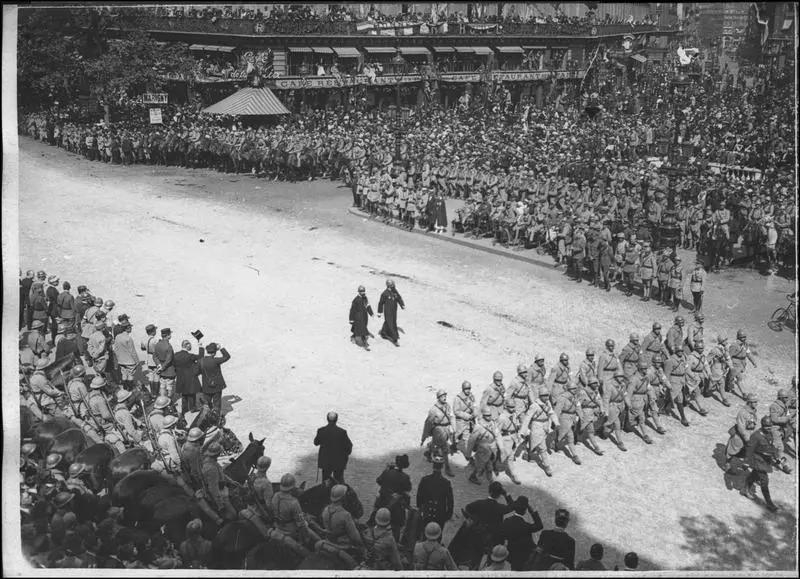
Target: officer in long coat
{"type": "Point", "coordinates": [390, 299]}
{"type": "Point", "coordinates": [360, 310]}
{"type": "Point", "coordinates": [435, 496]}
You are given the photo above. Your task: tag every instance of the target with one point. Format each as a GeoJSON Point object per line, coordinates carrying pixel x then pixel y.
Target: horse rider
{"type": "Point", "coordinates": [156, 416]}
{"type": "Point", "coordinates": [99, 408]}
{"type": "Point", "coordinates": [192, 457]}
{"type": "Point", "coordinates": [214, 482]}
{"type": "Point", "coordinates": [439, 426]}
{"type": "Point", "coordinates": [464, 411]}
{"type": "Point", "coordinates": [168, 447]}
{"type": "Point", "coordinates": [289, 517]}
{"type": "Point", "coordinates": [383, 554]}
{"type": "Point", "coordinates": [339, 524]}
{"type": "Point", "coordinates": [261, 486]}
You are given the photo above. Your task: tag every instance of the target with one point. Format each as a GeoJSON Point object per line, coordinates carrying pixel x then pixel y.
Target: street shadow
{"type": "Point", "coordinates": [766, 542]}
{"type": "Point", "coordinates": [228, 401]}
{"type": "Point", "coordinates": [362, 472]}
{"type": "Point", "coordinates": [734, 481]}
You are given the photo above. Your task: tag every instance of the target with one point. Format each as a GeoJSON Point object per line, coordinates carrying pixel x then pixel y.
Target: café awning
{"type": "Point", "coordinates": [414, 50]}
{"type": "Point", "coordinates": [535, 47]}
{"type": "Point", "coordinates": [639, 58]}
{"type": "Point", "coordinates": [443, 49]}
{"type": "Point", "coordinates": [380, 49]}
{"type": "Point", "coordinates": [300, 49]}
{"type": "Point", "coordinates": [346, 52]}
{"type": "Point", "coordinates": [511, 49]}
{"type": "Point", "coordinates": [482, 50]}
{"type": "Point", "coordinates": [322, 50]}
{"type": "Point", "coordinates": [211, 48]}
{"type": "Point", "coordinates": [465, 49]}
{"type": "Point", "coordinates": [249, 102]}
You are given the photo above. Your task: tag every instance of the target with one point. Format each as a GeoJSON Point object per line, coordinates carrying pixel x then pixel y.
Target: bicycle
{"type": "Point", "coordinates": [785, 316]}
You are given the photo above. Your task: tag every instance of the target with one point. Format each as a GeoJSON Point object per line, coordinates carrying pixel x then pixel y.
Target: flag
{"type": "Point", "coordinates": [764, 23]}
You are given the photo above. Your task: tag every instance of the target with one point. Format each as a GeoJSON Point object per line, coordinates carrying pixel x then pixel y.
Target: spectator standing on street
{"type": "Point", "coordinates": [164, 356]}
{"type": "Point", "coordinates": [187, 369]}
{"type": "Point", "coordinates": [125, 352]}
{"type": "Point", "coordinates": [24, 303]}
{"type": "Point", "coordinates": [555, 545]}
{"type": "Point", "coordinates": [148, 345]}
{"type": "Point", "coordinates": [334, 449]}
{"type": "Point", "coordinates": [390, 299]}
{"type": "Point", "coordinates": [697, 282]}
{"type": "Point", "coordinates": [213, 381]}
{"type": "Point", "coordinates": [435, 496]}
{"type": "Point", "coordinates": [517, 533]}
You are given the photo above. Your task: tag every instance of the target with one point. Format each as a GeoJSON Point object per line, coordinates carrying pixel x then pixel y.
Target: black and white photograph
{"type": "Point", "coordinates": [435, 288]}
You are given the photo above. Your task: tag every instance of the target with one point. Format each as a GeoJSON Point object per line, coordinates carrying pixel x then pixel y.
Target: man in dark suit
{"type": "Point", "coordinates": [487, 515]}
{"type": "Point", "coordinates": [187, 369]}
{"type": "Point", "coordinates": [517, 531]}
{"type": "Point", "coordinates": [24, 303]}
{"type": "Point", "coordinates": [555, 545]}
{"type": "Point", "coordinates": [68, 345]}
{"type": "Point", "coordinates": [334, 449]}
{"type": "Point", "coordinates": [435, 496]}
{"type": "Point", "coordinates": [213, 381]}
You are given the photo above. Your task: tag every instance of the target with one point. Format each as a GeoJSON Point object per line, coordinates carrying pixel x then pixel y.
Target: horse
{"type": "Point", "coordinates": [127, 462]}
{"type": "Point", "coordinates": [240, 467]}
{"type": "Point", "coordinates": [232, 544]}
{"type": "Point", "coordinates": [315, 499]}
{"type": "Point", "coordinates": [96, 460]}
{"type": "Point", "coordinates": [28, 421]}
{"type": "Point", "coordinates": [44, 432]}
{"type": "Point", "coordinates": [69, 444]}
{"type": "Point", "coordinates": [466, 546]}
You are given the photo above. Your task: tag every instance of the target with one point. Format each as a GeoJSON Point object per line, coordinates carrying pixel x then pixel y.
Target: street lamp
{"type": "Point", "coordinates": [399, 65]}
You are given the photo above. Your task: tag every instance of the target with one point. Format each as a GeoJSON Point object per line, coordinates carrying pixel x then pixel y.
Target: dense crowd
{"type": "Point", "coordinates": [120, 457]}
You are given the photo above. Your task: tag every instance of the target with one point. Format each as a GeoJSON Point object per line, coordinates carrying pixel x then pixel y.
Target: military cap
{"type": "Point", "coordinates": [441, 392]}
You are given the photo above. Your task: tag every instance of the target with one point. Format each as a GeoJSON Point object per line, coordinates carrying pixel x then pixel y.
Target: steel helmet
{"type": "Point", "coordinates": [263, 462]}
{"type": "Point", "coordinates": [194, 434]}
{"type": "Point", "coordinates": [699, 345]}
{"type": "Point", "coordinates": [337, 493]}
{"type": "Point", "coordinates": [634, 337]}
{"type": "Point", "coordinates": [170, 421]}
{"type": "Point", "coordinates": [28, 448]}
{"type": "Point", "coordinates": [486, 412]}
{"type": "Point", "coordinates": [751, 397]}
{"type": "Point", "coordinates": [42, 363]}
{"type": "Point", "coordinates": [441, 392]}
{"type": "Point", "coordinates": [766, 422]}
{"type": "Point", "coordinates": [642, 364]}
{"type": "Point", "coordinates": [544, 392]}
{"type": "Point", "coordinates": [563, 358]}
{"type": "Point", "coordinates": [52, 460]}
{"type": "Point", "coordinates": [497, 375]}
{"type": "Point", "coordinates": [499, 553]}
{"type": "Point", "coordinates": [78, 370]}
{"type": "Point", "coordinates": [76, 468]}
{"type": "Point", "coordinates": [62, 499]}
{"type": "Point", "coordinates": [509, 403]}
{"type": "Point", "coordinates": [123, 395]}
{"type": "Point", "coordinates": [521, 368]}
{"type": "Point", "coordinates": [466, 385]}
{"type": "Point", "coordinates": [538, 357]}
{"type": "Point", "coordinates": [610, 344]}
{"type": "Point", "coordinates": [287, 482]}
{"type": "Point", "coordinates": [783, 393]}
{"type": "Point", "coordinates": [98, 382]}
{"type": "Point", "coordinates": [109, 304]}
{"type": "Point", "coordinates": [657, 359]}
{"type": "Point", "coordinates": [194, 526]}
{"type": "Point", "coordinates": [740, 335]}
{"type": "Point", "coordinates": [679, 320]}
{"type": "Point", "coordinates": [433, 531]}
{"type": "Point", "coordinates": [161, 402]}
{"type": "Point", "coordinates": [721, 339]}
{"type": "Point", "coordinates": [589, 352]}
{"type": "Point", "coordinates": [699, 317]}
{"type": "Point", "coordinates": [98, 302]}
{"type": "Point", "coordinates": [383, 517]}
{"type": "Point", "coordinates": [656, 326]}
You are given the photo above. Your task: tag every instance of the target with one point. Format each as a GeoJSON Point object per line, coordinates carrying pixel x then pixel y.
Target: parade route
{"type": "Point", "coordinates": [268, 269]}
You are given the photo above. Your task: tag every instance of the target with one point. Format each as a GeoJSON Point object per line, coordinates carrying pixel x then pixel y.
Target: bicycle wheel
{"type": "Point", "coordinates": [775, 323]}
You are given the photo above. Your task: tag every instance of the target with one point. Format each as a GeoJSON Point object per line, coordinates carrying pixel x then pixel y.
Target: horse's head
{"type": "Point", "coordinates": [240, 467]}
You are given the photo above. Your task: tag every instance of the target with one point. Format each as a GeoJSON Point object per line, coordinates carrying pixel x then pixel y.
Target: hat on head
{"type": "Point", "coordinates": [211, 348]}
{"type": "Point", "coordinates": [123, 395]}
{"type": "Point", "coordinates": [53, 459]}
{"type": "Point", "coordinates": [441, 392]}
{"type": "Point", "coordinates": [62, 499]}
{"type": "Point", "coordinates": [213, 449]}
{"type": "Point", "coordinates": [751, 397]}
{"type": "Point", "coordinates": [37, 324]}
{"type": "Point", "coordinates": [170, 421]}
{"type": "Point", "coordinates": [401, 461]}
{"type": "Point", "coordinates": [98, 382]}
{"type": "Point", "coordinates": [82, 288]}
{"type": "Point", "coordinates": [433, 531]}
{"type": "Point", "coordinates": [161, 402]}
{"type": "Point", "coordinates": [42, 363]}
{"type": "Point", "coordinates": [150, 328]}
{"type": "Point", "coordinates": [165, 332]}
{"type": "Point", "coordinates": [287, 482]}
{"type": "Point", "coordinates": [53, 280]}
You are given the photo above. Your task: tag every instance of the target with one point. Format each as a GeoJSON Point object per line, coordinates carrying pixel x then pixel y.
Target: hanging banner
{"type": "Point", "coordinates": [481, 27]}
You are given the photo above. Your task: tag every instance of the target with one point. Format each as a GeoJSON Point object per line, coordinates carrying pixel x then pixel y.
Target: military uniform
{"type": "Point", "coordinates": [740, 432]}
{"type": "Point", "coordinates": [509, 425]}
{"type": "Point", "coordinates": [341, 528]}
{"type": "Point", "coordinates": [464, 410]}
{"type": "Point", "coordinates": [493, 398]}
{"type": "Point", "coordinates": [557, 381]}
{"type": "Point", "coordinates": [652, 345]}
{"type": "Point", "coordinates": [760, 455]}
{"type": "Point", "coordinates": [98, 407]}
{"type": "Point", "coordinates": [739, 353]}
{"type": "Point", "coordinates": [697, 372]}
{"type": "Point", "coordinates": [482, 446]}
{"type": "Point", "coordinates": [675, 286]}
{"type": "Point", "coordinates": [719, 362]}
{"type": "Point", "coordinates": [215, 488]}
{"type": "Point", "coordinates": [629, 356]}
{"type": "Point", "coordinates": [519, 392]}
{"type": "Point", "coordinates": [614, 391]}
{"type": "Point", "coordinates": [567, 408]}
{"type": "Point", "coordinates": [536, 379]}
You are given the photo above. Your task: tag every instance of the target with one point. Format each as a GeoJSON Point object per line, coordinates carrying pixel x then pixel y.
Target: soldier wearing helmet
{"type": "Point", "coordinates": [739, 353]}
{"type": "Point", "coordinates": [695, 334]}
{"type": "Point", "coordinates": [697, 282]}
{"type": "Point", "coordinates": [640, 399]}
{"type": "Point", "coordinates": [536, 426]}
{"type": "Point", "coordinates": [675, 335]}
{"type": "Point", "coordinates": [537, 375]}
{"type": "Point", "coordinates": [124, 417]}
{"type": "Point", "coordinates": [168, 446]}
{"type": "Point", "coordinates": [90, 318]}
{"type": "Point", "coordinates": [653, 344]}
{"type": "Point", "coordinates": [607, 364]}
{"type": "Point", "coordinates": [559, 378]}
{"type": "Point", "coordinates": [760, 454]}
{"type": "Point", "coordinates": [591, 408]}
{"type": "Point", "coordinates": [338, 522]}
{"type": "Point", "coordinates": [741, 432]}
{"type": "Point", "coordinates": [383, 554]}
{"type": "Point", "coordinates": [261, 485]}
{"type": "Point", "coordinates": [156, 416]}
{"type": "Point", "coordinates": [494, 395]}
{"type": "Point", "coordinates": [508, 423]}
{"type": "Point", "coordinates": [676, 370]}
{"type": "Point", "coordinates": [54, 465]}
{"type": "Point", "coordinates": [439, 426]}
{"type": "Point", "coordinates": [465, 414]}
{"type": "Point", "coordinates": [215, 488]}
{"type": "Point", "coordinates": [719, 363]}
{"type": "Point", "coordinates": [395, 488]}
{"type": "Point", "coordinates": [697, 374]}
{"type": "Point", "coordinates": [430, 554]}
{"type": "Point", "coordinates": [192, 457]}
{"type": "Point", "coordinates": [42, 389]}
{"type": "Point", "coordinates": [289, 517]}
{"type": "Point", "coordinates": [567, 408]}
{"type": "Point", "coordinates": [100, 409]}
{"type": "Point", "coordinates": [587, 371]}
{"type": "Point", "coordinates": [614, 392]}
{"type": "Point", "coordinates": [482, 447]}
{"type": "Point", "coordinates": [784, 427]}
{"type": "Point", "coordinates": [629, 356]}
{"type": "Point", "coordinates": [518, 391]}
{"type": "Point", "coordinates": [75, 482]}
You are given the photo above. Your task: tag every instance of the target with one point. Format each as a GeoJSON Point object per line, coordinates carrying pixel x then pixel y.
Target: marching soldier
{"type": "Point", "coordinates": [591, 408]}
{"type": "Point", "coordinates": [494, 395]}
{"type": "Point", "coordinates": [760, 455]}
{"type": "Point", "coordinates": [614, 391]}
{"type": "Point", "coordinates": [741, 431]}
{"type": "Point", "coordinates": [639, 402]}
{"type": "Point", "coordinates": [784, 425]}
{"type": "Point", "coordinates": [483, 441]}
{"type": "Point", "coordinates": [608, 364]}
{"type": "Point", "coordinates": [567, 408]}
{"type": "Point", "coordinates": [675, 335]}
{"type": "Point", "coordinates": [519, 391]}
{"type": "Point", "coordinates": [675, 284]}
{"type": "Point", "coordinates": [536, 426]}
{"type": "Point", "coordinates": [629, 356]}
{"type": "Point", "coordinates": [508, 424]}
{"type": "Point", "coordinates": [739, 353]}
{"type": "Point", "coordinates": [653, 344]}
{"type": "Point", "coordinates": [559, 378]}
{"type": "Point", "coordinates": [675, 370]}
{"type": "Point", "coordinates": [168, 445]}
{"type": "Point", "coordinates": [587, 371]}
{"type": "Point", "coordinates": [439, 426]}
{"type": "Point", "coordinates": [719, 361]}
{"type": "Point", "coordinates": [537, 374]}
{"type": "Point", "coordinates": [695, 334]}
{"type": "Point", "coordinates": [464, 411]}
{"type": "Point", "coordinates": [697, 373]}
{"type": "Point", "coordinates": [99, 409]}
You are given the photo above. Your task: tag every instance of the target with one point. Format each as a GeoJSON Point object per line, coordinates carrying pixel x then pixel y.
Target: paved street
{"type": "Point", "coordinates": [269, 271]}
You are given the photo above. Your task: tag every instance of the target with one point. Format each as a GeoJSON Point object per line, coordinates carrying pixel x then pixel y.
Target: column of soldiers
{"type": "Point", "coordinates": [541, 412]}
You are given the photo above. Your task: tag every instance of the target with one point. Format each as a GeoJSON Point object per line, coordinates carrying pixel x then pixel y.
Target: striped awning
{"type": "Point", "coordinates": [414, 50]}
{"type": "Point", "coordinates": [346, 52]}
{"type": "Point", "coordinates": [511, 49]}
{"type": "Point", "coordinates": [249, 101]}
{"type": "Point", "coordinates": [443, 49]}
{"type": "Point", "coordinates": [322, 50]}
{"type": "Point", "coordinates": [380, 49]}
{"type": "Point", "coordinates": [465, 49]}
{"type": "Point", "coordinates": [482, 50]}
{"type": "Point", "coordinates": [535, 47]}
{"type": "Point", "coordinates": [300, 49]}
{"type": "Point", "coordinates": [212, 48]}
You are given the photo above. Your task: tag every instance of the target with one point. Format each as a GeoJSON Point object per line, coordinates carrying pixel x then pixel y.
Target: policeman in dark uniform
{"type": "Point", "coordinates": [395, 486]}
{"type": "Point", "coordinates": [435, 496]}
{"type": "Point", "coordinates": [761, 455]}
